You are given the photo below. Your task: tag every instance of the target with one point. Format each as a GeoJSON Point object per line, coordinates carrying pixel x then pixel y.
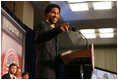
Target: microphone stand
{"type": "Point", "coordinates": [87, 46]}
{"type": "Point", "coordinates": [73, 29]}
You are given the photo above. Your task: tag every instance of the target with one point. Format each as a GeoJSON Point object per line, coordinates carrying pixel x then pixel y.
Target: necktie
{"type": "Point", "coordinates": [13, 77]}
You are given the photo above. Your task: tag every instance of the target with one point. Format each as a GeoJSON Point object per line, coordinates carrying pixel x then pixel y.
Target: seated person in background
{"type": "Point", "coordinates": [18, 73]}
{"type": "Point", "coordinates": [11, 72]}
{"type": "Point", "coordinates": [25, 75]}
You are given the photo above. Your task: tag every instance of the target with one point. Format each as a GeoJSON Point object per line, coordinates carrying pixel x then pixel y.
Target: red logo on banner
{"type": "Point", "coordinates": [10, 57]}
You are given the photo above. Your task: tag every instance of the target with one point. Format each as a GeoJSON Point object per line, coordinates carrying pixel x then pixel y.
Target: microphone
{"type": "Point", "coordinates": [74, 30]}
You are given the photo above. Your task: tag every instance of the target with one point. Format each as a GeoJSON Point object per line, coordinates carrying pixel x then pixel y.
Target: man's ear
{"type": "Point", "coordinates": [46, 14]}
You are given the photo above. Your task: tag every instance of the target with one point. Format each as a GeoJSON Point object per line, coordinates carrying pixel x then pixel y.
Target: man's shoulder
{"type": "Point", "coordinates": [6, 76]}
{"type": "Point", "coordinates": [41, 25]}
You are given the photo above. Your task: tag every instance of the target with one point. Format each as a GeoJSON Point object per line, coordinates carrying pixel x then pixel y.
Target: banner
{"type": "Point", "coordinates": [12, 43]}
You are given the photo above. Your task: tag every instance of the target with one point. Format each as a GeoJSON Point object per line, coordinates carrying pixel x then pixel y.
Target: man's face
{"type": "Point", "coordinates": [18, 72]}
{"type": "Point", "coordinates": [13, 69]}
{"type": "Point", "coordinates": [53, 15]}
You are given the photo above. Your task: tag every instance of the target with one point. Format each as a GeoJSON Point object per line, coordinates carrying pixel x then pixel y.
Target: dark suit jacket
{"type": "Point", "coordinates": [6, 76]}
{"type": "Point", "coordinates": [46, 50]}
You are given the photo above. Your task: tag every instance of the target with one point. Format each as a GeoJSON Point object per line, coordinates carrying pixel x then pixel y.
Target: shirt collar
{"type": "Point", "coordinates": [52, 26]}
{"type": "Point", "coordinates": [11, 76]}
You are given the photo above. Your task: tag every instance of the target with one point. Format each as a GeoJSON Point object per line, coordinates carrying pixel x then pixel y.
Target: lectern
{"type": "Point", "coordinates": [81, 57]}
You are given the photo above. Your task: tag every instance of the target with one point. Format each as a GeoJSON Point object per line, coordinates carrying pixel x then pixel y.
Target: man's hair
{"type": "Point", "coordinates": [18, 67]}
{"type": "Point", "coordinates": [25, 73]}
{"type": "Point", "coordinates": [49, 8]}
{"type": "Point", "coordinates": [13, 64]}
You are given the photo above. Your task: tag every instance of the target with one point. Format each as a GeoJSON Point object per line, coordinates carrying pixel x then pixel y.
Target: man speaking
{"type": "Point", "coordinates": [46, 43]}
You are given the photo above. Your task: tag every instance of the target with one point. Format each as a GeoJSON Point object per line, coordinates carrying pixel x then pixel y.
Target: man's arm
{"type": "Point", "coordinates": [42, 36]}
